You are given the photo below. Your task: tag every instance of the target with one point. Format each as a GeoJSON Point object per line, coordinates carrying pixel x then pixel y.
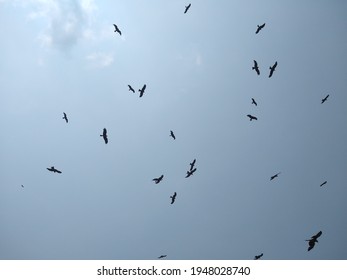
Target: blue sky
{"type": "Point", "coordinates": [63, 56]}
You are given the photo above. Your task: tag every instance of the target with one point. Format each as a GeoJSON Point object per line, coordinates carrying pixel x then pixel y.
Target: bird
{"type": "Point", "coordinates": [172, 135]}
{"type": "Point", "coordinates": [187, 8]}
{"type": "Point", "coordinates": [131, 89]}
{"type": "Point", "coordinates": [259, 27]}
{"type": "Point", "coordinates": [190, 172]}
{"type": "Point", "coordinates": [253, 102]}
{"type": "Point", "coordinates": [173, 197]}
{"type": "Point", "coordinates": [142, 90]}
{"type": "Point", "coordinates": [116, 29]}
{"type": "Point", "coordinates": [258, 257]}
{"type": "Point", "coordinates": [52, 169]}
{"type": "Point", "coordinates": [158, 180]}
{"type": "Point", "coordinates": [104, 135]}
{"type": "Point", "coordinates": [313, 240]}
{"type": "Point", "coordinates": [325, 99]}
{"type": "Point", "coordinates": [22, 186]}
{"type": "Point", "coordinates": [65, 118]}
{"type": "Point", "coordinates": [162, 256]}
{"type": "Point", "coordinates": [192, 164]}
{"type": "Point", "coordinates": [252, 117]}
{"type": "Point", "coordinates": [274, 176]}
{"type": "Point", "coordinates": [272, 69]}
{"type": "Point", "coordinates": [321, 185]}
{"type": "Point", "coordinates": [255, 67]}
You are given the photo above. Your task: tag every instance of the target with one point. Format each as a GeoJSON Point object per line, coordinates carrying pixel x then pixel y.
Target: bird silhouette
{"type": "Point", "coordinates": [190, 172]}
{"type": "Point", "coordinates": [312, 241]}
{"type": "Point", "coordinates": [22, 186]}
{"type": "Point", "coordinates": [274, 176]}
{"type": "Point", "coordinates": [272, 69]}
{"type": "Point", "coordinates": [325, 99]}
{"type": "Point", "coordinates": [172, 135]}
{"type": "Point", "coordinates": [131, 89]}
{"type": "Point", "coordinates": [162, 256]}
{"type": "Point", "coordinates": [259, 27]}
{"type": "Point", "coordinates": [142, 90]}
{"type": "Point", "coordinates": [65, 118]}
{"type": "Point", "coordinates": [321, 185]}
{"type": "Point", "coordinates": [104, 135]}
{"type": "Point", "coordinates": [192, 164]}
{"type": "Point", "coordinates": [116, 29]}
{"type": "Point", "coordinates": [173, 197]}
{"type": "Point", "coordinates": [258, 257]}
{"type": "Point", "coordinates": [187, 8]}
{"type": "Point", "coordinates": [52, 169]}
{"type": "Point", "coordinates": [252, 117]}
{"type": "Point", "coordinates": [255, 67]}
{"type": "Point", "coordinates": [158, 180]}
{"type": "Point", "coordinates": [253, 102]}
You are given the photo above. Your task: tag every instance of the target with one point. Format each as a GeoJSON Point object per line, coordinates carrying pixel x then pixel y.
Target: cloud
{"type": "Point", "coordinates": [99, 59]}
{"type": "Point", "coordinates": [67, 21]}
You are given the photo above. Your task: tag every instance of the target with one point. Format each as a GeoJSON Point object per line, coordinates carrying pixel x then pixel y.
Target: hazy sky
{"type": "Point", "coordinates": [63, 56]}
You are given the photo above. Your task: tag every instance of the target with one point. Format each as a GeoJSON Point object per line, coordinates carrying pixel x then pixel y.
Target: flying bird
{"type": "Point", "coordinates": [22, 186]}
{"type": "Point", "coordinates": [187, 8]}
{"type": "Point", "coordinates": [104, 135]}
{"type": "Point", "coordinates": [158, 180]}
{"type": "Point", "coordinates": [52, 169]}
{"type": "Point", "coordinates": [272, 69]}
{"type": "Point", "coordinates": [172, 135]}
{"type": "Point", "coordinates": [116, 29]}
{"type": "Point", "coordinates": [131, 89]}
{"type": "Point", "coordinates": [258, 257]}
{"type": "Point", "coordinates": [173, 197]}
{"type": "Point", "coordinates": [274, 176]}
{"type": "Point", "coordinates": [259, 27]}
{"type": "Point", "coordinates": [313, 240]}
{"type": "Point", "coordinates": [65, 118]}
{"type": "Point", "coordinates": [142, 90]}
{"type": "Point", "coordinates": [192, 164]}
{"type": "Point", "coordinates": [190, 172]}
{"type": "Point", "coordinates": [255, 67]}
{"type": "Point", "coordinates": [321, 185]}
{"type": "Point", "coordinates": [162, 256]}
{"type": "Point", "coordinates": [253, 102]}
{"type": "Point", "coordinates": [325, 99]}
{"type": "Point", "coordinates": [252, 117]}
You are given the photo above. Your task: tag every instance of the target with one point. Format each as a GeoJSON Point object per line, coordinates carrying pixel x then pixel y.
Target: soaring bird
{"type": "Point", "coordinates": [157, 180]}
{"type": "Point", "coordinates": [173, 197]}
{"type": "Point", "coordinates": [190, 172]}
{"type": "Point", "coordinates": [253, 102]}
{"type": "Point", "coordinates": [325, 99]}
{"type": "Point", "coordinates": [52, 169]}
{"type": "Point", "coordinates": [259, 27]}
{"type": "Point", "coordinates": [255, 67]}
{"type": "Point", "coordinates": [172, 135]}
{"type": "Point", "coordinates": [142, 90]}
{"type": "Point", "coordinates": [258, 257]}
{"type": "Point", "coordinates": [65, 118]}
{"type": "Point", "coordinates": [104, 135]}
{"type": "Point", "coordinates": [162, 256]}
{"type": "Point", "coordinates": [116, 29]}
{"type": "Point", "coordinates": [192, 164]}
{"type": "Point", "coordinates": [272, 69]}
{"type": "Point", "coordinates": [312, 241]}
{"type": "Point", "coordinates": [187, 8]}
{"type": "Point", "coordinates": [274, 176]}
{"type": "Point", "coordinates": [22, 186]}
{"type": "Point", "coordinates": [131, 89]}
{"type": "Point", "coordinates": [321, 185]}
{"type": "Point", "coordinates": [252, 117]}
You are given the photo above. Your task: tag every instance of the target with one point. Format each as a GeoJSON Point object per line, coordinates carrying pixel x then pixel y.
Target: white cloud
{"type": "Point", "coordinates": [100, 59]}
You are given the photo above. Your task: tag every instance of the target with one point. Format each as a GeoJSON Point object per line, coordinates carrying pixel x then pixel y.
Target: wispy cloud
{"type": "Point", "coordinates": [100, 59]}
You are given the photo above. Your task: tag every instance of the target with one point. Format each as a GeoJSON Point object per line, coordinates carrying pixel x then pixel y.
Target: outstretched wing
{"type": "Point", "coordinates": [317, 235]}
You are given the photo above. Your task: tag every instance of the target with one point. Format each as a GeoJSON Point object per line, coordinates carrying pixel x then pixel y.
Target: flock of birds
{"type": "Point", "coordinates": [192, 169]}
